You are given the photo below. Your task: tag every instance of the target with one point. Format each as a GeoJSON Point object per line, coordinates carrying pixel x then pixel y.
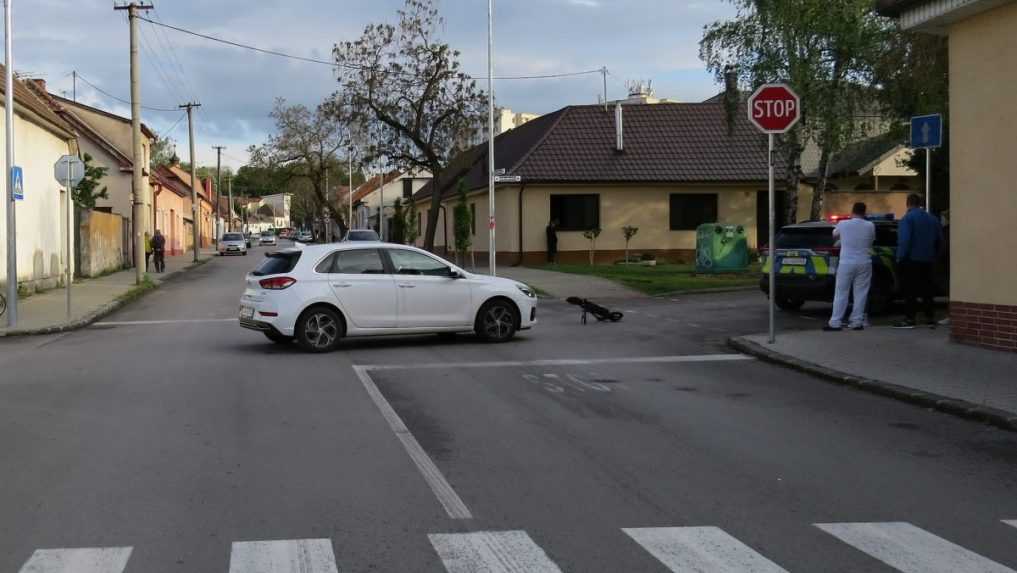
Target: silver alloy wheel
{"type": "Point", "coordinates": [320, 330]}
{"type": "Point", "coordinates": [498, 322]}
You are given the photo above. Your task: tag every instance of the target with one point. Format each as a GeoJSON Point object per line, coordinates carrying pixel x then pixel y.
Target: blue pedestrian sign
{"type": "Point", "coordinates": [18, 176]}
{"type": "Point", "coordinates": [926, 131]}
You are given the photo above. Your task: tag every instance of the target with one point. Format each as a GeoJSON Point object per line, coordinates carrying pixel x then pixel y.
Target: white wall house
{"type": "Point", "coordinates": [40, 138]}
{"type": "Point", "coordinates": [368, 198]}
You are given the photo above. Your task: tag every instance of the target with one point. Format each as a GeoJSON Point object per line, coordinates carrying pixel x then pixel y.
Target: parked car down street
{"type": "Point", "coordinates": [322, 293]}
{"type": "Point", "coordinates": [267, 239]}
{"type": "Point", "coordinates": [232, 244]}
{"type": "Point", "coordinates": [362, 235]}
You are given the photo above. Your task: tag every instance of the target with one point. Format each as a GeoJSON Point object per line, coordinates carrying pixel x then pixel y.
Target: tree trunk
{"type": "Point", "coordinates": [432, 213]}
{"type": "Point", "coordinates": [817, 197]}
{"type": "Point", "coordinates": [791, 182]}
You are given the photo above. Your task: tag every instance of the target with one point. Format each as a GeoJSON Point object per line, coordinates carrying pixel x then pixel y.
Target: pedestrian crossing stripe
{"type": "Point", "coordinates": [702, 549]}
{"type": "Point", "coordinates": [78, 560]}
{"type": "Point", "coordinates": [910, 549]}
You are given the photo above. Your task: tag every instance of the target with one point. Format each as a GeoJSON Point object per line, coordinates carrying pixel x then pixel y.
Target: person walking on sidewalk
{"type": "Point", "coordinates": [854, 271]}
{"type": "Point", "coordinates": [148, 249]}
{"type": "Point", "coordinates": [159, 249]}
{"type": "Point", "coordinates": [919, 239]}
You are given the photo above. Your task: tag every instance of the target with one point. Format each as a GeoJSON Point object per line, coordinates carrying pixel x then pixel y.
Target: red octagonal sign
{"type": "Point", "coordinates": [774, 108]}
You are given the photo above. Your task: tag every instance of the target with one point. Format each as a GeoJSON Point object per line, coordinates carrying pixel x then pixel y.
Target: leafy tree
{"type": "Point", "coordinates": [397, 231]}
{"type": "Point", "coordinates": [462, 224]}
{"type": "Point", "coordinates": [164, 152]}
{"type": "Point", "coordinates": [404, 87]}
{"type": "Point", "coordinates": [303, 148]}
{"type": "Point", "coordinates": [628, 231]}
{"type": "Point", "coordinates": [824, 50]}
{"type": "Point", "coordinates": [591, 236]}
{"type": "Point", "coordinates": [87, 191]}
{"type": "Point", "coordinates": [412, 226]}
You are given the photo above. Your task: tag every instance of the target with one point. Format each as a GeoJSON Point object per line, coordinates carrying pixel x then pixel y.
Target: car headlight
{"type": "Point", "coordinates": [526, 290]}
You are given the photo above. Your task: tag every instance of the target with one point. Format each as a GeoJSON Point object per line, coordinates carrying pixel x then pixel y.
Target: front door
{"type": "Point", "coordinates": [365, 290]}
{"type": "Point", "coordinates": [429, 296]}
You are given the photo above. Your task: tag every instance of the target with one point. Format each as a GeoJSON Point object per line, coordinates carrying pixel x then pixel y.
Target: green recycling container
{"type": "Point", "coordinates": [721, 248]}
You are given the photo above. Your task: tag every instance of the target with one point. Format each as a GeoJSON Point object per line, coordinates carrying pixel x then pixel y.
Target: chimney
{"type": "Point", "coordinates": [619, 144]}
{"type": "Point", "coordinates": [732, 98]}
{"type": "Point", "coordinates": [39, 83]}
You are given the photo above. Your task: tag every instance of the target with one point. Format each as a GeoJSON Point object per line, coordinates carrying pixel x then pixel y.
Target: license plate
{"type": "Point", "coordinates": [233, 249]}
{"type": "Point", "coordinates": [797, 261]}
{"type": "Point", "coordinates": [246, 312]}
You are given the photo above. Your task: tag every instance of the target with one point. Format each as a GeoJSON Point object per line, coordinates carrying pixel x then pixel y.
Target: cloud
{"type": "Point", "coordinates": [652, 39]}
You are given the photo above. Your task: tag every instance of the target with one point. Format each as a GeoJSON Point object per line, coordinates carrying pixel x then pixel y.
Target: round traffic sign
{"type": "Point", "coordinates": [774, 108]}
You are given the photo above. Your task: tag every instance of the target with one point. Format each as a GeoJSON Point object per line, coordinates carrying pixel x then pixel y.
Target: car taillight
{"type": "Point", "coordinates": [276, 283]}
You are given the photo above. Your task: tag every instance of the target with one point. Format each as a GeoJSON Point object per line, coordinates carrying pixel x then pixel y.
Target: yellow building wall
{"type": "Point", "coordinates": [983, 145]}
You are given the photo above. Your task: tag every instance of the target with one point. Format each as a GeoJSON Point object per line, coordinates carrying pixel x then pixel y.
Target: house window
{"type": "Point", "coordinates": [473, 218]}
{"type": "Point", "coordinates": [690, 210]}
{"type": "Point", "coordinates": [576, 212]}
{"type": "Point", "coordinates": [407, 188]}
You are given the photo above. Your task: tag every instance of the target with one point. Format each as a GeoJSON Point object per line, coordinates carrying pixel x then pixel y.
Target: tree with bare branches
{"type": "Point", "coordinates": [405, 88]}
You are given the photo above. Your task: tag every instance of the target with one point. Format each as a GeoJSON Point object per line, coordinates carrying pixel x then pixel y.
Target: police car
{"type": "Point", "coordinates": [807, 255]}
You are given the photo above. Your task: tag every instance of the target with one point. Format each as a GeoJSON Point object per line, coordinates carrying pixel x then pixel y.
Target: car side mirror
{"type": "Point", "coordinates": [455, 274]}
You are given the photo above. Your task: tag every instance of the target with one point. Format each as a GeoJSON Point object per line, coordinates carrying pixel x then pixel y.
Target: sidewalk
{"type": "Point", "coordinates": [91, 299]}
{"type": "Point", "coordinates": [920, 366]}
{"type": "Point", "coordinates": [562, 285]}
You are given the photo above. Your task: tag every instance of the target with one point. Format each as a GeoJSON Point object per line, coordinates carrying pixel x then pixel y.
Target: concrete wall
{"type": "Point", "coordinates": [101, 243]}
{"type": "Point", "coordinates": [41, 222]}
{"type": "Point", "coordinates": [118, 183]}
{"type": "Point", "coordinates": [983, 145]}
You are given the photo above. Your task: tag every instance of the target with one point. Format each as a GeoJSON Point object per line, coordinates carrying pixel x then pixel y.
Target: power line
{"type": "Point", "coordinates": [351, 66]}
{"type": "Point", "coordinates": [155, 64]}
{"type": "Point", "coordinates": [174, 57]}
{"type": "Point", "coordinates": [120, 99]}
{"type": "Point", "coordinates": [167, 133]}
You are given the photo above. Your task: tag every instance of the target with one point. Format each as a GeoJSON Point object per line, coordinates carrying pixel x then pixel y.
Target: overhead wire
{"type": "Point", "coordinates": [120, 99]}
{"type": "Point", "coordinates": [163, 37]}
{"type": "Point", "coordinates": [155, 64]}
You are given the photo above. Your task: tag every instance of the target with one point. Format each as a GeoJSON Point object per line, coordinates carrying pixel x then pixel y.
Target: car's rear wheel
{"type": "Point", "coordinates": [497, 321]}
{"type": "Point", "coordinates": [789, 303]}
{"type": "Point", "coordinates": [278, 337]}
{"type": "Point", "coordinates": [319, 329]}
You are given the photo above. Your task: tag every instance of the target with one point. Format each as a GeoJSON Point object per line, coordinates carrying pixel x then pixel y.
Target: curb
{"type": "Point", "coordinates": [717, 290]}
{"type": "Point", "coordinates": [116, 304]}
{"type": "Point", "coordinates": [994, 416]}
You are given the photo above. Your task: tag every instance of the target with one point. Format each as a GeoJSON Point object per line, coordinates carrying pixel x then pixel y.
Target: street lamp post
{"type": "Point", "coordinates": [12, 250]}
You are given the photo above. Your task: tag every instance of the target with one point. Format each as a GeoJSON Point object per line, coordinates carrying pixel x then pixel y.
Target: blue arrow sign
{"type": "Point", "coordinates": [18, 176]}
{"type": "Point", "coordinates": [926, 131]}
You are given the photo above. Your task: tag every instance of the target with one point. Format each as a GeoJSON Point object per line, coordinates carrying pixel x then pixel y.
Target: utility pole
{"type": "Point", "coordinates": [381, 206]}
{"type": "Point", "coordinates": [218, 185]}
{"type": "Point", "coordinates": [350, 225]}
{"type": "Point", "coordinates": [74, 86]}
{"type": "Point", "coordinates": [12, 241]}
{"type": "Point", "coordinates": [492, 252]}
{"type": "Point", "coordinates": [229, 182]}
{"type": "Point", "coordinates": [328, 211]}
{"type": "Point", "coordinates": [195, 206]}
{"type": "Point", "coordinates": [138, 150]}
{"type": "Point", "coordinates": [603, 72]}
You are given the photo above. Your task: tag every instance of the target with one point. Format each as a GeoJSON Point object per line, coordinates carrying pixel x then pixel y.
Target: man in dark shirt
{"type": "Point", "coordinates": [159, 249]}
{"type": "Point", "coordinates": [552, 241]}
{"type": "Point", "coordinates": [919, 238]}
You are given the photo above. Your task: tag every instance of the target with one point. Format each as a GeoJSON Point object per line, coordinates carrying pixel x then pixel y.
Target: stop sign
{"type": "Point", "coordinates": [774, 108]}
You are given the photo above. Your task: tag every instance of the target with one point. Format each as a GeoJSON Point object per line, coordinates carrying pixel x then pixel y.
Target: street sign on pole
{"type": "Point", "coordinates": [927, 131]}
{"type": "Point", "coordinates": [508, 179]}
{"type": "Point", "coordinates": [69, 170]}
{"type": "Point", "coordinates": [18, 178]}
{"type": "Point", "coordinates": [927, 134]}
{"type": "Point", "coordinates": [773, 108]}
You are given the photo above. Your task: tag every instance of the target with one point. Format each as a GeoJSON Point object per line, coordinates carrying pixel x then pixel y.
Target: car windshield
{"type": "Point", "coordinates": [233, 237]}
{"type": "Point", "coordinates": [363, 235]}
{"type": "Point", "coordinates": [277, 263]}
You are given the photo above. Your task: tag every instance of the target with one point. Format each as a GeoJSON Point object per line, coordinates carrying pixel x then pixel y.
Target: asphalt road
{"type": "Point", "coordinates": [170, 440]}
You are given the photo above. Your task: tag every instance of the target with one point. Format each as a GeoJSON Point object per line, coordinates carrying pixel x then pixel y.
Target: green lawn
{"type": "Point", "coordinates": [663, 278]}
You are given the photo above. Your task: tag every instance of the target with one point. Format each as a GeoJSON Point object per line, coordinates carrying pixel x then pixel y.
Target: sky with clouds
{"type": "Point", "coordinates": [647, 39]}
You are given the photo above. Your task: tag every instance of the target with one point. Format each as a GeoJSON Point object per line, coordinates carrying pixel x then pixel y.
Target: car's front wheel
{"type": "Point", "coordinates": [496, 321]}
{"type": "Point", "coordinates": [319, 329]}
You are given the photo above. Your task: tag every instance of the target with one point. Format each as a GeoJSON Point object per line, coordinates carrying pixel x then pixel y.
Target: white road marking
{"type": "Point", "coordinates": [1010, 522]}
{"type": "Point", "coordinates": [563, 362]}
{"type": "Point", "coordinates": [283, 556]}
{"type": "Point", "coordinates": [701, 550]}
{"type": "Point", "coordinates": [491, 552]}
{"type": "Point", "coordinates": [588, 385]}
{"type": "Point", "coordinates": [154, 322]}
{"type": "Point", "coordinates": [911, 549]}
{"type": "Point", "coordinates": [554, 376]}
{"type": "Point", "coordinates": [449, 499]}
{"type": "Point", "coordinates": [531, 378]}
{"type": "Point", "coordinates": [78, 560]}
{"type": "Point", "coordinates": [695, 325]}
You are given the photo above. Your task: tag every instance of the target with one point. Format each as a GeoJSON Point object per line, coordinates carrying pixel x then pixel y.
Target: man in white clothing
{"type": "Point", "coordinates": [854, 271]}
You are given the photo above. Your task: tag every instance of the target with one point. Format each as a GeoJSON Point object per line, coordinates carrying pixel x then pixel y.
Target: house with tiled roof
{"type": "Point", "coordinates": [666, 169]}
{"type": "Point", "coordinates": [982, 129]}
{"type": "Point", "coordinates": [379, 193]}
{"type": "Point", "coordinates": [43, 222]}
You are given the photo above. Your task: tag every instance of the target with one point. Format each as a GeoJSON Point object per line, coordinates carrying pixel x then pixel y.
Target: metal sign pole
{"type": "Point", "coordinates": [773, 247]}
{"type": "Point", "coordinates": [12, 250]}
{"type": "Point", "coordinates": [928, 180]}
{"type": "Point", "coordinates": [67, 242]}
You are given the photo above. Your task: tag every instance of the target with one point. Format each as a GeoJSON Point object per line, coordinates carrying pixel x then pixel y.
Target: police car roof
{"type": "Point", "coordinates": [830, 224]}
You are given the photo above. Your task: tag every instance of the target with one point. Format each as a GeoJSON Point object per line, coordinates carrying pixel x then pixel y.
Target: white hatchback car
{"type": "Point", "coordinates": [319, 294]}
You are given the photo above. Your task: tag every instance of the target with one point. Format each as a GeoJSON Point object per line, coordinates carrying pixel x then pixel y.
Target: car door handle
{"type": "Point", "coordinates": [406, 285]}
{"type": "Point", "coordinates": [342, 285]}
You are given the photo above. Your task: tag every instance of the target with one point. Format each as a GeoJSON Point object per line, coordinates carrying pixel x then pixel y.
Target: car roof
{"type": "Point", "coordinates": [830, 225]}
